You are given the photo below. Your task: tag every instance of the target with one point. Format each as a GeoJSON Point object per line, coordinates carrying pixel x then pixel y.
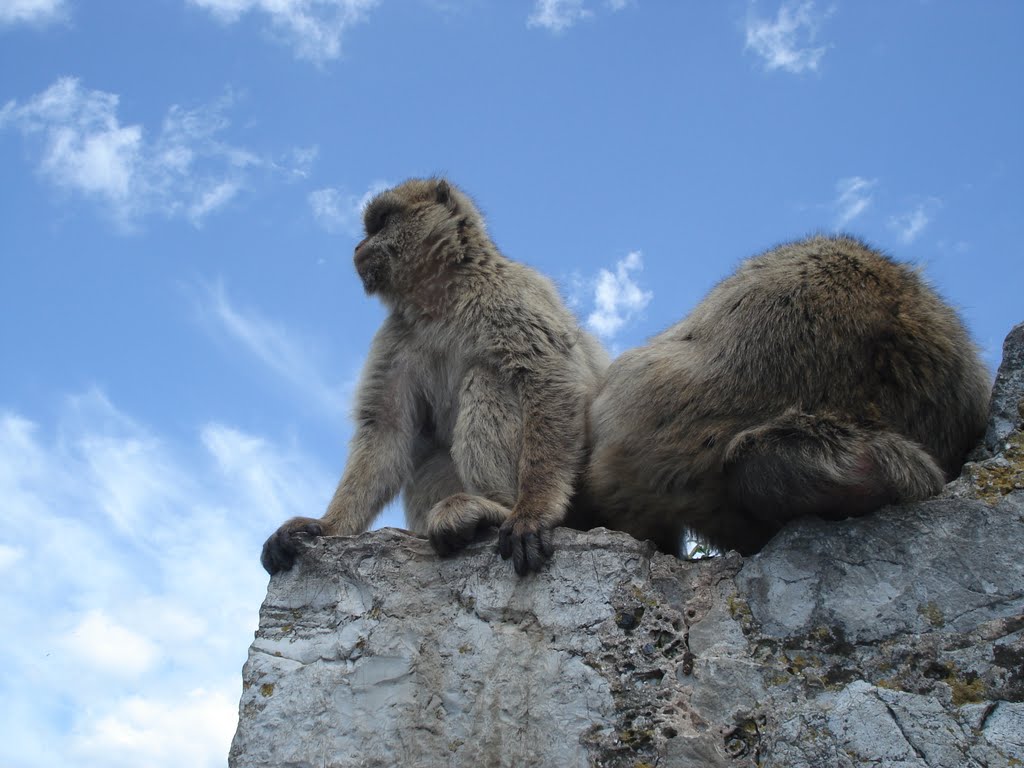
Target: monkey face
{"type": "Point", "coordinates": [404, 225]}
{"type": "Point", "coordinates": [377, 255]}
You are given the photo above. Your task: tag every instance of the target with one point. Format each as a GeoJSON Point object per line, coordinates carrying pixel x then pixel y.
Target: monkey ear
{"type": "Point", "coordinates": [445, 196]}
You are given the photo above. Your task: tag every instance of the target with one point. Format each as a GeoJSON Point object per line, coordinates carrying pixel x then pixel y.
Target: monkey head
{"type": "Point", "coordinates": [415, 232]}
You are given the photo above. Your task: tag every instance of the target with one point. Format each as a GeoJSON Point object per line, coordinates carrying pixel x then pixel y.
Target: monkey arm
{"type": "Point", "coordinates": [379, 454]}
{"type": "Point", "coordinates": [379, 463]}
{"type": "Point", "coordinates": [552, 451]}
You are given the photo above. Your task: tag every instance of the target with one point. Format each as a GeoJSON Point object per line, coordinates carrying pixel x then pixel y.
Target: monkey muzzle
{"type": "Point", "coordinates": [370, 266]}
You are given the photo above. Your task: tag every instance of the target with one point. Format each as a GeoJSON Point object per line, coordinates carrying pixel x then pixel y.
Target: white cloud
{"type": "Point", "coordinates": [339, 211]}
{"type": "Point", "coordinates": [31, 11]}
{"type": "Point", "coordinates": [195, 728]}
{"type": "Point", "coordinates": [786, 42]}
{"type": "Point", "coordinates": [557, 15]}
{"type": "Point", "coordinates": [617, 298]}
{"type": "Point", "coordinates": [290, 357]}
{"type": "Point", "coordinates": [909, 225]}
{"type": "Point", "coordinates": [275, 482]}
{"type": "Point", "coordinates": [113, 649]}
{"type": "Point", "coordinates": [212, 199]}
{"type": "Point", "coordinates": [313, 28]}
{"type": "Point", "coordinates": [185, 170]}
{"type": "Point", "coordinates": [129, 644]}
{"type": "Point", "coordinates": [853, 198]}
{"type": "Point", "coordinates": [302, 159]}
{"type": "Point", "coordinates": [9, 556]}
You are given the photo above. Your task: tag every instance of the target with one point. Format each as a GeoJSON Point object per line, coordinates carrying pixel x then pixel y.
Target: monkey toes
{"type": "Point", "coordinates": [527, 542]}
{"type": "Point", "coordinates": [281, 548]}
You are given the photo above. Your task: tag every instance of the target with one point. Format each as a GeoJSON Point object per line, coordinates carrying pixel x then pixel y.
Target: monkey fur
{"type": "Point", "coordinates": [473, 399]}
{"type": "Point", "coordinates": [820, 378]}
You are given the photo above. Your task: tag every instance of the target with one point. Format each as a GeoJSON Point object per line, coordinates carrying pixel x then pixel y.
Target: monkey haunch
{"type": "Point", "coordinates": [473, 399]}
{"type": "Point", "coordinates": [820, 378]}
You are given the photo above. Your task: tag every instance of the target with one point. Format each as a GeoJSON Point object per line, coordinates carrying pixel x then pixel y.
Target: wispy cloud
{"type": "Point", "coordinates": [616, 298]}
{"type": "Point", "coordinates": [99, 641]}
{"type": "Point", "coordinates": [290, 357]}
{"type": "Point", "coordinates": [853, 197]}
{"type": "Point", "coordinates": [313, 28]}
{"type": "Point", "coordinates": [339, 211]}
{"type": "Point", "coordinates": [32, 11]}
{"type": "Point", "coordinates": [186, 170]}
{"type": "Point", "coordinates": [910, 224]}
{"type": "Point", "coordinates": [558, 15]}
{"type": "Point", "coordinates": [132, 628]}
{"type": "Point", "coordinates": [786, 42]}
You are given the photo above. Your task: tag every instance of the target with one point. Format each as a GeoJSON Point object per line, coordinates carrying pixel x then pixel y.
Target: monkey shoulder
{"type": "Point", "coordinates": [518, 317]}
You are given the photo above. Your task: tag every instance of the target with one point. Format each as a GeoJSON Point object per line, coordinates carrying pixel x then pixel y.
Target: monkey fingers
{"type": "Point", "coordinates": [528, 543]}
{"type": "Point", "coordinates": [281, 549]}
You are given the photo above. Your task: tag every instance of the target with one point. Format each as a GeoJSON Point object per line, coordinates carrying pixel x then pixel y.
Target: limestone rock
{"type": "Point", "coordinates": [1007, 410]}
{"type": "Point", "coordinates": [996, 467]}
{"type": "Point", "coordinates": [895, 640]}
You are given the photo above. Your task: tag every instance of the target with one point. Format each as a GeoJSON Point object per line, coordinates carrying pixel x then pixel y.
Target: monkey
{"type": "Point", "coordinates": [821, 378]}
{"type": "Point", "coordinates": [473, 400]}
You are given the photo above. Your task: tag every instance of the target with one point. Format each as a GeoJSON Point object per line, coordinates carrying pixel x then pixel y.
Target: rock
{"type": "Point", "coordinates": [1007, 409]}
{"type": "Point", "coordinates": [996, 467]}
{"type": "Point", "coordinates": [895, 640]}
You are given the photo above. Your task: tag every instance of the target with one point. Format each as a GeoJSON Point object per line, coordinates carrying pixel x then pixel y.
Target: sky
{"type": "Point", "coordinates": [181, 328]}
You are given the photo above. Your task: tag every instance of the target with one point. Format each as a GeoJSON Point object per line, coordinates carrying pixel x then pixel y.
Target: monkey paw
{"type": "Point", "coordinates": [281, 548]}
{"type": "Point", "coordinates": [527, 542]}
{"type": "Point", "coordinates": [449, 540]}
{"type": "Point", "coordinates": [459, 519]}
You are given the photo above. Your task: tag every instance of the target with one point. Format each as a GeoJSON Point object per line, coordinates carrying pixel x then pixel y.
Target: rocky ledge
{"type": "Point", "coordinates": [892, 640]}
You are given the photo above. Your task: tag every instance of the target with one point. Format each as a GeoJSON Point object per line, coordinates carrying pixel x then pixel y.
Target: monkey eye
{"type": "Point", "coordinates": [374, 225]}
{"type": "Point", "coordinates": [379, 220]}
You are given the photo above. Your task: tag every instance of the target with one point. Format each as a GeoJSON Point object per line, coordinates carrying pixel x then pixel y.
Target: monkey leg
{"type": "Point", "coordinates": [485, 453]}
{"type": "Point", "coordinates": [433, 479]}
{"type": "Point", "coordinates": [436, 504]}
{"type": "Point", "coordinates": [488, 437]}
{"type": "Point", "coordinates": [801, 464]}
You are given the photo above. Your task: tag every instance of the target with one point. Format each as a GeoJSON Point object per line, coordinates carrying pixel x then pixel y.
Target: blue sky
{"type": "Point", "coordinates": [182, 328]}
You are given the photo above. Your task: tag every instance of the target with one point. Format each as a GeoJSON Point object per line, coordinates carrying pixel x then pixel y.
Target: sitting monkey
{"type": "Point", "coordinates": [821, 378]}
{"type": "Point", "coordinates": [474, 396]}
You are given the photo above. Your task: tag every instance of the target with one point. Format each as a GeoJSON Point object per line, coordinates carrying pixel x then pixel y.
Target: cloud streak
{"type": "Point", "coordinates": [279, 349]}
{"type": "Point", "coordinates": [186, 170]}
{"type": "Point", "coordinates": [786, 42]}
{"type": "Point", "coordinates": [909, 225]}
{"type": "Point", "coordinates": [853, 197]}
{"type": "Point", "coordinates": [313, 28]}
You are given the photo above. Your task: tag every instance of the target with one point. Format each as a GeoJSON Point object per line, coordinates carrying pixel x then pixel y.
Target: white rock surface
{"type": "Point", "coordinates": [892, 640]}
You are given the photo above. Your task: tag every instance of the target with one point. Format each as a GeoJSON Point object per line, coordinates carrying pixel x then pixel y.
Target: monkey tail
{"type": "Point", "coordinates": [819, 464]}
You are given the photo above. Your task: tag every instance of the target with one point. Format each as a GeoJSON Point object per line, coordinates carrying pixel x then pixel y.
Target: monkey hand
{"type": "Point", "coordinates": [527, 541]}
{"type": "Point", "coordinates": [281, 548]}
